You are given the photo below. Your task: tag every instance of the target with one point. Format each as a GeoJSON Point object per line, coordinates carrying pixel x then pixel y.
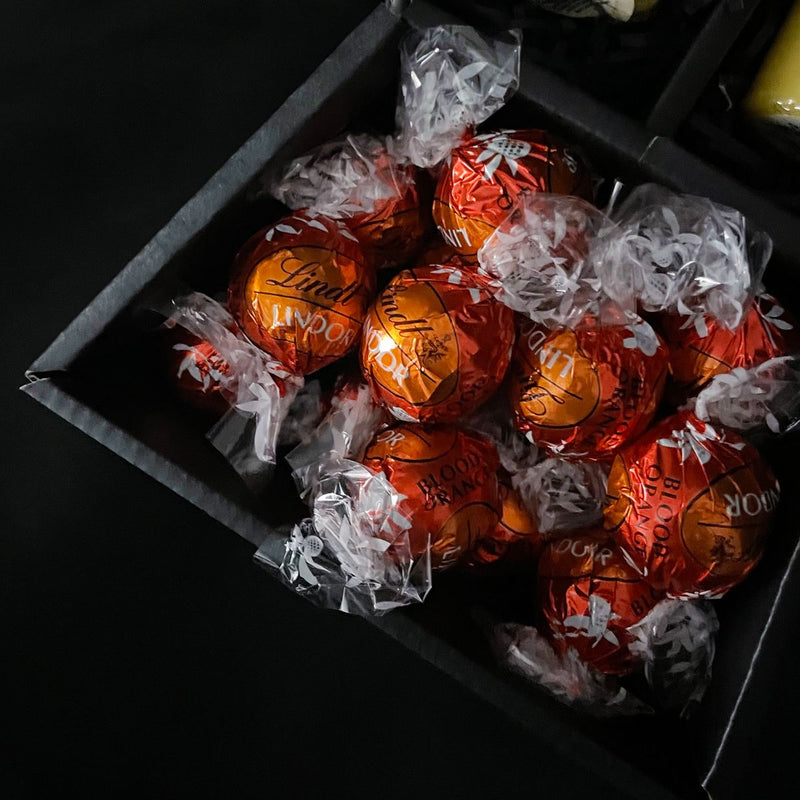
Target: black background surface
{"type": "Point", "coordinates": [144, 652]}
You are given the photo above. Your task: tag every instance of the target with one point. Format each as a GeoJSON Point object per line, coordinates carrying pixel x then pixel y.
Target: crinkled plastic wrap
{"type": "Point", "coordinates": [351, 422]}
{"type": "Point", "coordinates": [526, 652]}
{"type": "Point", "coordinates": [676, 643]}
{"type": "Point", "coordinates": [564, 495]}
{"type": "Point", "coordinates": [343, 178]}
{"type": "Point", "coordinates": [452, 79]}
{"type": "Point", "coordinates": [259, 388]}
{"type": "Point", "coordinates": [354, 553]}
{"type": "Point", "coordinates": [304, 414]}
{"type": "Point", "coordinates": [766, 396]}
{"type": "Point", "coordinates": [541, 259]}
{"type": "Point", "coordinates": [493, 419]}
{"type": "Point", "coordinates": [358, 179]}
{"type": "Point", "coordinates": [685, 254]}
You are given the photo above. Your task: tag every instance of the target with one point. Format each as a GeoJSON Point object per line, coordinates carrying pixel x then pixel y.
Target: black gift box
{"type": "Point", "coordinates": [80, 377]}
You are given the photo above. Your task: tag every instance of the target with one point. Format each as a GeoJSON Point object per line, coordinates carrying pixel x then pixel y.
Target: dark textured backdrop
{"type": "Point", "coordinates": [143, 651]}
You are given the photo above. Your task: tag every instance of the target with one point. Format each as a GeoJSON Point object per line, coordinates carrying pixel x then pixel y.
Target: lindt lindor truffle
{"type": "Point", "coordinates": [448, 480]}
{"type": "Point", "coordinates": [487, 176]}
{"type": "Point", "coordinates": [672, 646]}
{"type": "Point", "coordinates": [436, 344]}
{"type": "Point", "coordinates": [300, 290]}
{"type": "Point", "coordinates": [197, 370]}
{"type": "Point", "coordinates": [590, 598]}
{"type": "Point", "coordinates": [359, 180]}
{"type": "Point", "coordinates": [516, 541]}
{"type": "Point", "coordinates": [766, 332]}
{"type": "Point", "coordinates": [691, 506]}
{"type": "Point", "coordinates": [258, 389]}
{"type": "Point", "coordinates": [584, 392]}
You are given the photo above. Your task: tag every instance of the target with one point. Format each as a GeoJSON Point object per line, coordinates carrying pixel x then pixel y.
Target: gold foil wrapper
{"type": "Point", "coordinates": [300, 290]}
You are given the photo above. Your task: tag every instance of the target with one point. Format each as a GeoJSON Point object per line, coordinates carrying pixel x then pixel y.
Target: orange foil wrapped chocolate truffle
{"type": "Point", "coordinates": [300, 290]}
{"type": "Point", "coordinates": [485, 177]}
{"type": "Point", "coordinates": [197, 371]}
{"type": "Point", "coordinates": [691, 505]}
{"type": "Point", "coordinates": [515, 541]}
{"type": "Point", "coordinates": [449, 479]}
{"type": "Point", "coordinates": [584, 392]}
{"type": "Point", "coordinates": [767, 331]}
{"type": "Point", "coordinates": [590, 597]}
{"type": "Point", "coordinates": [436, 344]}
{"type": "Point", "coordinates": [440, 253]}
{"type": "Point", "coordinates": [391, 233]}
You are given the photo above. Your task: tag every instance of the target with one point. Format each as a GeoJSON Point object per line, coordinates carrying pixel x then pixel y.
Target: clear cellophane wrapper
{"type": "Point", "coordinates": [760, 399]}
{"type": "Point", "coordinates": [344, 178]}
{"type": "Point", "coordinates": [493, 419]}
{"type": "Point", "coordinates": [674, 645]}
{"type": "Point", "coordinates": [683, 254]}
{"type": "Point", "coordinates": [259, 389]}
{"type": "Point", "coordinates": [563, 495]}
{"type": "Point", "coordinates": [343, 433]}
{"type": "Point", "coordinates": [305, 413]}
{"type": "Point", "coordinates": [452, 78]}
{"type": "Point", "coordinates": [354, 553]}
{"type": "Point", "coordinates": [542, 259]}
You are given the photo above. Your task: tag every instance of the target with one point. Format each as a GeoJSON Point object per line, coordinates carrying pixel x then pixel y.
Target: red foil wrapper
{"type": "Point", "coordinates": [449, 479]}
{"type": "Point", "coordinates": [393, 231]}
{"type": "Point", "coordinates": [767, 331]}
{"type": "Point", "coordinates": [516, 541]}
{"type": "Point", "coordinates": [440, 253]}
{"type": "Point", "coordinates": [590, 596]}
{"type": "Point", "coordinates": [485, 176]}
{"type": "Point", "coordinates": [587, 391]}
{"type": "Point", "coordinates": [691, 506]}
{"type": "Point", "coordinates": [300, 290]}
{"type": "Point", "coordinates": [436, 344]}
{"type": "Point", "coordinates": [196, 370]}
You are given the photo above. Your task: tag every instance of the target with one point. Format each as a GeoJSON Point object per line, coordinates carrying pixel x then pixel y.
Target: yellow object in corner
{"type": "Point", "coordinates": [775, 94]}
